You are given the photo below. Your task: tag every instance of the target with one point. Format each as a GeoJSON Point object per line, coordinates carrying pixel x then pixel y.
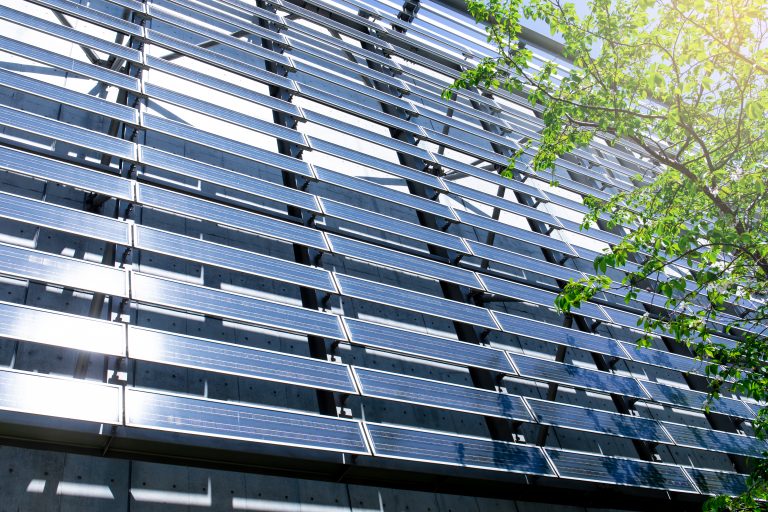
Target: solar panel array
{"type": "Point", "coordinates": [260, 222]}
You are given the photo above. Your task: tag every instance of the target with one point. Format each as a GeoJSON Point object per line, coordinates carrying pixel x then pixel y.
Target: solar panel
{"type": "Point", "coordinates": [453, 450]}
{"type": "Point", "coordinates": [367, 135]}
{"type": "Point", "coordinates": [61, 270]}
{"type": "Point", "coordinates": [198, 29]}
{"type": "Point", "coordinates": [70, 34]}
{"type": "Point", "coordinates": [67, 174]}
{"type": "Point", "coordinates": [401, 261]}
{"type": "Point", "coordinates": [716, 441]}
{"type": "Point", "coordinates": [248, 151]}
{"type": "Point", "coordinates": [442, 395]}
{"type": "Point", "coordinates": [535, 296]}
{"type": "Point", "coordinates": [558, 334]}
{"type": "Point", "coordinates": [219, 60]}
{"type": "Point", "coordinates": [492, 177]}
{"type": "Point", "coordinates": [414, 301]}
{"type": "Point", "coordinates": [524, 235]}
{"type": "Point", "coordinates": [224, 86]}
{"type": "Point", "coordinates": [620, 471]}
{"type": "Point", "coordinates": [244, 308]}
{"type": "Point", "coordinates": [294, 27]}
{"type": "Point", "coordinates": [231, 359]}
{"type": "Point", "coordinates": [357, 157]}
{"type": "Point", "coordinates": [521, 261]}
{"type": "Point", "coordinates": [363, 186]}
{"type": "Point", "coordinates": [74, 399]}
{"type": "Point", "coordinates": [264, 14]}
{"type": "Point", "coordinates": [231, 116]}
{"type": "Point", "coordinates": [175, 413]}
{"type": "Point", "coordinates": [470, 149]}
{"type": "Point", "coordinates": [392, 225]}
{"type": "Point", "coordinates": [585, 419]}
{"type": "Point", "coordinates": [231, 179]}
{"type": "Point", "coordinates": [571, 375]}
{"type": "Point", "coordinates": [664, 359]}
{"type": "Point", "coordinates": [68, 97]}
{"type": "Point", "coordinates": [690, 399]}
{"type": "Point", "coordinates": [454, 123]}
{"type": "Point", "coordinates": [223, 256]}
{"type": "Point", "coordinates": [594, 232]}
{"type": "Point", "coordinates": [60, 218]}
{"type": "Point", "coordinates": [718, 482]}
{"type": "Point", "coordinates": [69, 64]}
{"type": "Point", "coordinates": [229, 216]}
{"type": "Point", "coordinates": [58, 130]}
{"type": "Point", "coordinates": [95, 16]}
{"type": "Point", "coordinates": [62, 330]}
{"type": "Point", "coordinates": [418, 344]}
{"type": "Point", "coordinates": [500, 202]}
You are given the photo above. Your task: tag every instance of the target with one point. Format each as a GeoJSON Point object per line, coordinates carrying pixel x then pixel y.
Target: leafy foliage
{"type": "Point", "coordinates": [682, 84]}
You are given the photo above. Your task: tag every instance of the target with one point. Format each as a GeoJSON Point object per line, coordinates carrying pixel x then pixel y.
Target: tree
{"type": "Point", "coordinates": [682, 83]}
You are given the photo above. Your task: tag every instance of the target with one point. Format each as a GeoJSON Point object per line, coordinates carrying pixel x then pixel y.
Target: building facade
{"type": "Point", "coordinates": [251, 260]}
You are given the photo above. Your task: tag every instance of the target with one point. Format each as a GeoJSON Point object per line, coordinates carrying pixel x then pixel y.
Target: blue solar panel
{"type": "Point", "coordinates": [362, 186]}
{"type": "Point", "coordinates": [58, 130]}
{"type": "Point", "coordinates": [62, 330]}
{"type": "Point", "coordinates": [570, 375]}
{"type": "Point", "coordinates": [593, 232]}
{"type": "Point", "coordinates": [423, 345]}
{"type": "Point", "coordinates": [231, 359]}
{"type": "Point", "coordinates": [232, 258]}
{"type": "Point", "coordinates": [228, 216]}
{"type": "Point", "coordinates": [585, 419]}
{"type": "Point", "coordinates": [392, 225]}
{"type": "Point", "coordinates": [524, 235]}
{"type": "Point", "coordinates": [558, 334]}
{"type": "Point", "coordinates": [716, 441]}
{"type": "Point", "coordinates": [438, 448]}
{"type": "Point", "coordinates": [522, 262]}
{"type": "Point", "coordinates": [465, 147]}
{"type": "Point", "coordinates": [244, 308]}
{"type": "Point", "coordinates": [718, 482]}
{"type": "Point", "coordinates": [414, 301]}
{"type": "Point", "coordinates": [61, 270]}
{"type": "Point", "coordinates": [401, 261]}
{"type": "Point", "coordinates": [227, 178]}
{"type": "Point", "coordinates": [197, 416]}
{"type": "Point", "coordinates": [470, 170]}
{"type": "Point", "coordinates": [60, 397]}
{"type": "Point", "coordinates": [67, 174]}
{"type": "Point", "coordinates": [500, 202]}
{"type": "Point", "coordinates": [664, 359]}
{"type": "Point", "coordinates": [535, 296]}
{"type": "Point", "coordinates": [690, 399]}
{"type": "Point", "coordinates": [619, 471]}
{"type": "Point", "coordinates": [60, 218]}
{"type": "Point", "coordinates": [442, 395]}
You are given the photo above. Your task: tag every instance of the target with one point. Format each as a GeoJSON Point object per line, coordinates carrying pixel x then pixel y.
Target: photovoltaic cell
{"type": "Point", "coordinates": [424, 345]}
{"type": "Point", "coordinates": [231, 359]}
{"type": "Point", "coordinates": [619, 471]}
{"type": "Point", "coordinates": [401, 261]}
{"type": "Point", "coordinates": [500, 202]}
{"type": "Point", "coordinates": [249, 25]}
{"type": "Point", "coordinates": [67, 174]}
{"type": "Point", "coordinates": [716, 441]}
{"type": "Point", "coordinates": [718, 482]}
{"type": "Point", "coordinates": [197, 416]}
{"type": "Point", "coordinates": [535, 296]}
{"type": "Point", "coordinates": [226, 215]}
{"type": "Point", "coordinates": [74, 399]}
{"type": "Point", "coordinates": [61, 270]}
{"type": "Point", "coordinates": [391, 225]}
{"type": "Point", "coordinates": [413, 301]}
{"type": "Point", "coordinates": [435, 447]}
{"type": "Point", "coordinates": [585, 419]}
{"type": "Point", "coordinates": [211, 253]}
{"type": "Point", "coordinates": [571, 375]}
{"type": "Point", "coordinates": [62, 330]}
{"type": "Point", "coordinates": [558, 334]}
{"type": "Point", "coordinates": [442, 395]}
{"type": "Point", "coordinates": [690, 399]}
{"type": "Point", "coordinates": [521, 261]}
{"type": "Point", "coordinates": [664, 359]}
{"type": "Point", "coordinates": [173, 294]}
{"type": "Point", "coordinates": [93, 16]}
{"type": "Point", "coordinates": [63, 219]}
